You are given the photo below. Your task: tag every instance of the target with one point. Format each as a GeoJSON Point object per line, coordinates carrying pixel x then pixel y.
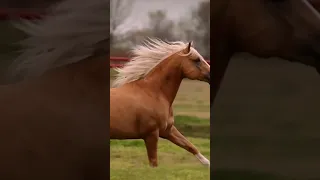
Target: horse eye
{"type": "Point", "coordinates": [197, 61]}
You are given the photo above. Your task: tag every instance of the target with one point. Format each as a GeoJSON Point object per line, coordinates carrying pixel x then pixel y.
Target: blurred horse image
{"type": "Point", "coordinates": [54, 120]}
{"type": "Point", "coordinates": [144, 90]}
{"type": "Point", "coordinates": [288, 29]}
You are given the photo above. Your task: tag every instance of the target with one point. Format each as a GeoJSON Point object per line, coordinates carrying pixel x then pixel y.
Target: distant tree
{"type": "Point", "coordinates": [203, 15]}
{"type": "Point", "coordinates": [128, 40]}
{"type": "Point", "coordinates": [160, 26]}
{"type": "Point", "coordinates": [196, 27]}
{"type": "Point", "coordinates": [119, 12]}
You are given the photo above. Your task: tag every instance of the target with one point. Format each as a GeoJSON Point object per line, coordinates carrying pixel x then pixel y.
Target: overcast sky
{"type": "Point", "coordinates": [139, 16]}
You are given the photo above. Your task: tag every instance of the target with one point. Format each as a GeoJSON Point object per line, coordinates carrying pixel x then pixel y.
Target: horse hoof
{"type": "Point", "coordinates": [153, 165]}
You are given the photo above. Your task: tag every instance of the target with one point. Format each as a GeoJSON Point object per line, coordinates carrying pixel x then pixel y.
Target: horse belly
{"type": "Point", "coordinates": [123, 128]}
{"type": "Point", "coordinates": [129, 124]}
{"type": "Point", "coordinates": [132, 115]}
{"type": "Point", "coordinates": [135, 126]}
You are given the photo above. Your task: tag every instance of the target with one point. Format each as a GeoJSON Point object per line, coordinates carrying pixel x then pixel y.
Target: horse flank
{"type": "Point", "coordinates": [70, 32]}
{"type": "Point", "coordinates": [146, 57]}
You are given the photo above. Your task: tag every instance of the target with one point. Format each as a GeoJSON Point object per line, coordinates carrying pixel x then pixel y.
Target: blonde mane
{"type": "Point", "coordinates": [70, 32]}
{"type": "Point", "coordinates": [146, 57]}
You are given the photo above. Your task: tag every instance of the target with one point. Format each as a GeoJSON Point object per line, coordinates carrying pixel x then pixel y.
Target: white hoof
{"type": "Point", "coordinates": [203, 159]}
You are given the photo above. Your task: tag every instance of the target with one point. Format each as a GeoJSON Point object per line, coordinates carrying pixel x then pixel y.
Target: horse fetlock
{"type": "Point", "coordinates": [153, 163]}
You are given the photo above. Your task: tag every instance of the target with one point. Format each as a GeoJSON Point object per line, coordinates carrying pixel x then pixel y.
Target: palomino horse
{"type": "Point", "coordinates": [289, 29]}
{"type": "Point", "coordinates": [54, 123]}
{"type": "Point", "coordinates": [145, 89]}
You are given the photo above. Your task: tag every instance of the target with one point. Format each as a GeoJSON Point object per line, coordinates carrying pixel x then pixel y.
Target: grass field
{"type": "Point", "coordinates": [129, 158]}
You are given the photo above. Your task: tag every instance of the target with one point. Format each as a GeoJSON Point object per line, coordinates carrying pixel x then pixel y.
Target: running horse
{"type": "Point", "coordinates": [54, 121]}
{"type": "Point", "coordinates": [144, 90]}
{"type": "Point", "coordinates": [288, 29]}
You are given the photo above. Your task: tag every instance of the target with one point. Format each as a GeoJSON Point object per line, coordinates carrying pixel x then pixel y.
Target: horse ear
{"type": "Point", "coordinates": [187, 49]}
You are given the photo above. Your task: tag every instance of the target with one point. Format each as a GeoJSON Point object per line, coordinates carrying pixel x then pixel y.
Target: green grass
{"type": "Point", "coordinates": [129, 158]}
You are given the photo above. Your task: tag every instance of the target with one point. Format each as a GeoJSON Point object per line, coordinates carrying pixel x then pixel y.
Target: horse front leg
{"type": "Point", "coordinates": [177, 138]}
{"type": "Point", "coordinates": [151, 142]}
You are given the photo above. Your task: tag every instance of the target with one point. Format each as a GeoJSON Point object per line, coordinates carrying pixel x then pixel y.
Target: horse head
{"type": "Point", "coordinates": [193, 65]}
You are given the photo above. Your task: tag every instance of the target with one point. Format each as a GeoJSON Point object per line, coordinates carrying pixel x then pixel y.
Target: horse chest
{"type": "Point", "coordinates": [167, 120]}
{"type": "Point", "coordinates": [171, 117]}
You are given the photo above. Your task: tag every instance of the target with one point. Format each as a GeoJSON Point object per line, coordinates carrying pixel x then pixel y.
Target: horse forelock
{"type": "Point", "coordinates": [70, 32]}
{"type": "Point", "coordinates": [146, 57]}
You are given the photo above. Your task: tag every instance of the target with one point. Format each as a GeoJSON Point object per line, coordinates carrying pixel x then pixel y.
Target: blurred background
{"type": "Point", "coordinates": [133, 21]}
{"type": "Point", "coordinates": [266, 114]}
{"type": "Point", "coordinates": [10, 11]}
{"type": "Point", "coordinates": [266, 121]}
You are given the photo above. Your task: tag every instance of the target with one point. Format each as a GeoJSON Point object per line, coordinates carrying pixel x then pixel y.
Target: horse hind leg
{"type": "Point", "coordinates": [151, 142]}
{"type": "Point", "coordinates": [177, 138]}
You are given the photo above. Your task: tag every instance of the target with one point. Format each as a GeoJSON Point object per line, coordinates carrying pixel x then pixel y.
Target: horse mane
{"type": "Point", "coordinates": [71, 31]}
{"type": "Point", "coordinates": [145, 57]}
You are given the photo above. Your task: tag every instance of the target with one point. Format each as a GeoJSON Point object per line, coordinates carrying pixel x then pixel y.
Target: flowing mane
{"type": "Point", "coordinates": [70, 32]}
{"type": "Point", "coordinates": [145, 58]}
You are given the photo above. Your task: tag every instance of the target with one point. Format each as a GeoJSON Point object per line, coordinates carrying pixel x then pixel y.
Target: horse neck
{"type": "Point", "coordinates": [166, 78]}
